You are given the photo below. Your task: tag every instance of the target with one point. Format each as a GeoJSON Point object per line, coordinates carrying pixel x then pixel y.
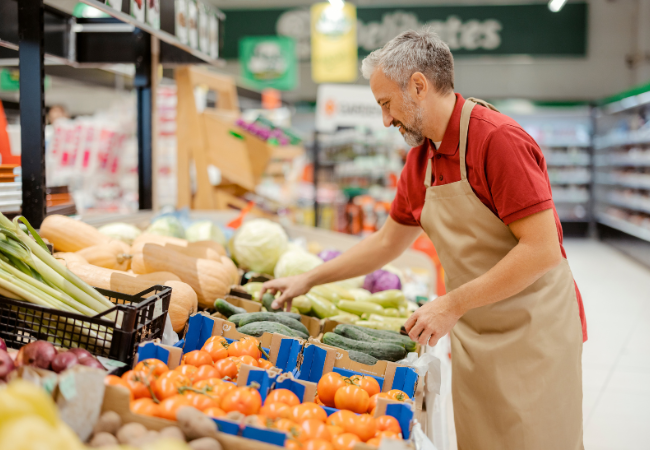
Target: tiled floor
{"type": "Point", "coordinates": [616, 358]}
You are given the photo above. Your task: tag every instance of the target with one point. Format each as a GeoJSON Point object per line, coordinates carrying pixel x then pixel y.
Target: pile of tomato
{"type": "Point", "coordinates": [205, 380]}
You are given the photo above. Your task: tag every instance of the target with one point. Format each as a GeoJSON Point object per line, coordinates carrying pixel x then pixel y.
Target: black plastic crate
{"type": "Point", "coordinates": [138, 318]}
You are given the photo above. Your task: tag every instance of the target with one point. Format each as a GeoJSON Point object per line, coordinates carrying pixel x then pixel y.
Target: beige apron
{"type": "Point", "coordinates": [516, 364]}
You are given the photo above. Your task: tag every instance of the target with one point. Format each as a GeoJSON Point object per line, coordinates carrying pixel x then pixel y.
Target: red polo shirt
{"type": "Point", "coordinates": [505, 167]}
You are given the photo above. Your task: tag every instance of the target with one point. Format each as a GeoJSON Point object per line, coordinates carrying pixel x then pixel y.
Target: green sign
{"type": "Point", "coordinates": [468, 30]}
{"type": "Point", "coordinates": [9, 80]}
{"type": "Point", "coordinates": [268, 62]}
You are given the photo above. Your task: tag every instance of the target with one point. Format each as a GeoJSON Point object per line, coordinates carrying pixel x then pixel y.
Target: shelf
{"type": "Point", "coordinates": [622, 161]}
{"type": "Point", "coordinates": [625, 204]}
{"type": "Point", "coordinates": [559, 160]}
{"type": "Point", "coordinates": [625, 183]}
{"type": "Point", "coordinates": [624, 226]}
{"type": "Point", "coordinates": [621, 139]}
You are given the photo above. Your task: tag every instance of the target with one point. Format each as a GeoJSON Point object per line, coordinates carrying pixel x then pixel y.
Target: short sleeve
{"type": "Point", "coordinates": [400, 209]}
{"type": "Point", "coordinates": [516, 174]}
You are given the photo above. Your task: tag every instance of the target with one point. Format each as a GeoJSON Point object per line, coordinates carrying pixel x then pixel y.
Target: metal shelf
{"type": "Point", "coordinates": [624, 204]}
{"type": "Point", "coordinates": [625, 184]}
{"type": "Point", "coordinates": [624, 226]}
{"type": "Point", "coordinates": [622, 139]}
{"type": "Point", "coordinates": [618, 161]}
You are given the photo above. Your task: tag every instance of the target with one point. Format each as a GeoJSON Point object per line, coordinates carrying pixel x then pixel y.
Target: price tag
{"type": "Point", "coordinates": [67, 386]}
{"type": "Point", "coordinates": [49, 384]}
{"type": "Point", "coordinates": [158, 308]}
{"type": "Point", "coordinates": [110, 364]}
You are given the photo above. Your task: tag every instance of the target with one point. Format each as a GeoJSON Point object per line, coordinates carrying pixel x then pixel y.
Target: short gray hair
{"type": "Point", "coordinates": [414, 51]}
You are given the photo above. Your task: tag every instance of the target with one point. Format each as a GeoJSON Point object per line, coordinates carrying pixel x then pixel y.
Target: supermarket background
{"type": "Point", "coordinates": [249, 109]}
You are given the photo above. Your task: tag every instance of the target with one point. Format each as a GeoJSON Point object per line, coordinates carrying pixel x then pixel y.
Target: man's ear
{"type": "Point", "coordinates": [420, 84]}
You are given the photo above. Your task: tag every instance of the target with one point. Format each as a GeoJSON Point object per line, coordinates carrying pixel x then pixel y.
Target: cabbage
{"type": "Point", "coordinates": [295, 262]}
{"type": "Point", "coordinates": [205, 230]}
{"type": "Point", "coordinates": [167, 226]}
{"type": "Point", "coordinates": [327, 255]}
{"type": "Point", "coordinates": [258, 245]}
{"type": "Point", "coordinates": [381, 280]}
{"type": "Point", "coordinates": [124, 232]}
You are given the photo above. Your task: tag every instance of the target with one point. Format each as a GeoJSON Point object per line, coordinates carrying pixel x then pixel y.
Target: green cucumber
{"type": "Point", "coordinates": [362, 358]}
{"type": "Point", "coordinates": [291, 315]}
{"type": "Point", "coordinates": [279, 318]}
{"type": "Point", "coordinates": [257, 329]}
{"type": "Point", "coordinates": [380, 350]}
{"type": "Point", "coordinates": [409, 345]}
{"type": "Point", "coordinates": [267, 301]}
{"type": "Point", "coordinates": [225, 308]}
{"type": "Point", "coordinates": [360, 335]}
{"type": "Point", "coordinates": [235, 318]}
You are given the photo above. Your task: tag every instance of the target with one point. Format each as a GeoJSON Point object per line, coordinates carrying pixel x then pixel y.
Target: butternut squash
{"type": "Point", "coordinates": [235, 277]}
{"type": "Point", "coordinates": [183, 302]}
{"type": "Point", "coordinates": [156, 277]}
{"type": "Point", "coordinates": [113, 255]}
{"type": "Point", "coordinates": [67, 258]}
{"type": "Point", "coordinates": [199, 249]}
{"type": "Point", "coordinates": [70, 235]}
{"type": "Point", "coordinates": [210, 279]}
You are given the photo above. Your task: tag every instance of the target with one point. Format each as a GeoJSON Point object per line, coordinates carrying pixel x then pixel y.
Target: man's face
{"type": "Point", "coordinates": [398, 108]}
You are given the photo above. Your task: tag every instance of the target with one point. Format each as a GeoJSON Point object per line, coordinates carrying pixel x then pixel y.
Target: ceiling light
{"type": "Point", "coordinates": [338, 4]}
{"type": "Point", "coordinates": [556, 5]}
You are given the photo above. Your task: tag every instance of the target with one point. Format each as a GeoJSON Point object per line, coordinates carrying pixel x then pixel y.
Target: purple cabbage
{"type": "Point", "coordinates": [381, 280]}
{"type": "Point", "coordinates": [326, 255]}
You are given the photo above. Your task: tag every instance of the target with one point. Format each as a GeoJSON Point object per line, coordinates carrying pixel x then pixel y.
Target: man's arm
{"type": "Point", "coordinates": [537, 252]}
{"type": "Point", "coordinates": [370, 254]}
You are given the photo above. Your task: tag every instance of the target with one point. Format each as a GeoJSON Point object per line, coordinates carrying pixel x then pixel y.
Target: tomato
{"type": "Point", "coordinates": [372, 412]}
{"type": "Point", "coordinates": [345, 441]}
{"type": "Point", "coordinates": [335, 431]}
{"type": "Point", "coordinates": [398, 395]}
{"type": "Point", "coordinates": [275, 410]}
{"type": "Point", "coordinates": [283, 396]}
{"type": "Point", "coordinates": [318, 402]}
{"type": "Point", "coordinates": [218, 350]}
{"type": "Point", "coordinates": [388, 423]}
{"type": "Point", "coordinates": [200, 401]}
{"type": "Point", "coordinates": [214, 412]}
{"type": "Point", "coordinates": [343, 419]}
{"type": "Point", "coordinates": [258, 420]}
{"type": "Point", "coordinates": [308, 411]}
{"type": "Point", "coordinates": [288, 426]}
{"type": "Point", "coordinates": [227, 368]}
{"type": "Point", "coordinates": [352, 398]}
{"type": "Point", "coordinates": [246, 400]}
{"type": "Point", "coordinates": [152, 366]}
{"type": "Point", "coordinates": [314, 429]}
{"type": "Point", "coordinates": [209, 383]}
{"type": "Point", "coordinates": [292, 444]}
{"type": "Point", "coordinates": [215, 340]}
{"type": "Point", "coordinates": [112, 380]}
{"type": "Point", "coordinates": [205, 372]}
{"type": "Point", "coordinates": [188, 371]}
{"type": "Point", "coordinates": [251, 339]}
{"type": "Point", "coordinates": [317, 444]}
{"type": "Point", "coordinates": [137, 383]}
{"type": "Point", "coordinates": [264, 363]}
{"type": "Point", "coordinates": [368, 384]}
{"type": "Point", "coordinates": [144, 406]}
{"type": "Point", "coordinates": [168, 408]}
{"type": "Point", "coordinates": [246, 359]}
{"type": "Point", "coordinates": [365, 427]}
{"type": "Point", "coordinates": [373, 401]}
{"type": "Point", "coordinates": [169, 384]}
{"type": "Point", "coordinates": [244, 347]}
{"type": "Point", "coordinates": [327, 387]}
{"type": "Point", "coordinates": [197, 358]}
{"type": "Point", "coordinates": [388, 435]}
{"type": "Point", "coordinates": [374, 442]}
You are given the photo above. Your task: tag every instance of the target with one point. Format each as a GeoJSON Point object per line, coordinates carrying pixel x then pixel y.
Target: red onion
{"type": "Point", "coordinates": [81, 353]}
{"type": "Point", "coordinates": [39, 354]}
{"type": "Point", "coordinates": [3, 345]}
{"type": "Point", "coordinates": [6, 364]}
{"type": "Point", "coordinates": [63, 361]}
{"type": "Point", "coordinates": [91, 362]}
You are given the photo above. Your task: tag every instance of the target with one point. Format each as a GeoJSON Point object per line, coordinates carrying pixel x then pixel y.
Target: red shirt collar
{"type": "Point", "coordinates": [451, 138]}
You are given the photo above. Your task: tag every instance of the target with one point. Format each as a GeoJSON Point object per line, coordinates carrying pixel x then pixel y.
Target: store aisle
{"type": "Point", "coordinates": [616, 358]}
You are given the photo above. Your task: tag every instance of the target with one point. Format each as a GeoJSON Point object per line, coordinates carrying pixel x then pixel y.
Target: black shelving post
{"type": "Point", "coordinates": [32, 108]}
{"type": "Point", "coordinates": [142, 84]}
{"type": "Point", "coordinates": [315, 151]}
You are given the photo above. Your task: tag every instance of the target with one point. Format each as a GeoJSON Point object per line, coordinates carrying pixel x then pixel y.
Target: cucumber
{"type": "Point", "coordinates": [279, 318]}
{"type": "Point", "coordinates": [380, 350]}
{"type": "Point", "coordinates": [362, 358]}
{"type": "Point", "coordinates": [291, 315]}
{"type": "Point", "coordinates": [235, 318]}
{"type": "Point", "coordinates": [409, 345]}
{"type": "Point", "coordinates": [267, 301]}
{"type": "Point", "coordinates": [226, 308]}
{"type": "Point", "coordinates": [258, 328]}
{"type": "Point", "coordinates": [360, 335]}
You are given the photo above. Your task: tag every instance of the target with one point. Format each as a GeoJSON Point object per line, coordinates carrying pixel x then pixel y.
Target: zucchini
{"type": "Point", "coordinates": [392, 298]}
{"type": "Point", "coordinates": [376, 325]}
{"type": "Point", "coordinates": [225, 308]}
{"type": "Point", "coordinates": [302, 304]}
{"type": "Point", "coordinates": [360, 307]}
{"type": "Point", "coordinates": [257, 329]}
{"type": "Point", "coordinates": [409, 345]}
{"type": "Point", "coordinates": [322, 307]}
{"type": "Point", "coordinates": [279, 318]}
{"type": "Point", "coordinates": [380, 350]}
{"type": "Point", "coordinates": [362, 358]}
{"type": "Point", "coordinates": [267, 301]}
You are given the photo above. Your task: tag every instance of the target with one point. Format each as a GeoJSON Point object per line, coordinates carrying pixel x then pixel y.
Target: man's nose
{"type": "Point", "coordinates": [388, 119]}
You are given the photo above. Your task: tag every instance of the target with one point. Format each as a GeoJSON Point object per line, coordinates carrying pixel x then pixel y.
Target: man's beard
{"type": "Point", "coordinates": [413, 135]}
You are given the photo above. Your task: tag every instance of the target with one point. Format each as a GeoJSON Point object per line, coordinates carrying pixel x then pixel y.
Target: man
{"type": "Point", "coordinates": [478, 186]}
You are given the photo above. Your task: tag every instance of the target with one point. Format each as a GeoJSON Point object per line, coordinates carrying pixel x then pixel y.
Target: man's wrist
{"type": "Point", "coordinates": [454, 303]}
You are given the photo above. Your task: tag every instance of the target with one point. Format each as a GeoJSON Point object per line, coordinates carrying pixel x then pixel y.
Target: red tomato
{"type": "Point", "coordinates": [275, 410]}
{"type": "Point", "coordinates": [345, 441]}
{"type": "Point", "coordinates": [168, 408]}
{"type": "Point", "coordinates": [317, 444]}
{"type": "Point", "coordinates": [112, 380]}
{"type": "Point", "coordinates": [365, 427]}
{"type": "Point", "coordinates": [388, 423]}
{"type": "Point", "coordinates": [197, 358]}
{"type": "Point", "coordinates": [205, 373]}
{"type": "Point", "coordinates": [188, 371]}
{"type": "Point", "coordinates": [214, 412]}
{"type": "Point", "coordinates": [244, 399]}
{"type": "Point", "coordinates": [244, 347]}
{"type": "Point", "coordinates": [152, 366]}
{"type": "Point", "coordinates": [398, 395]}
{"type": "Point", "coordinates": [367, 383]}
{"type": "Point", "coordinates": [308, 411]}
{"type": "Point", "coordinates": [373, 401]}
{"type": "Point", "coordinates": [352, 398]}
{"type": "Point", "coordinates": [327, 387]}
{"type": "Point", "coordinates": [216, 349]}
{"type": "Point", "coordinates": [227, 368]}
{"type": "Point", "coordinates": [314, 429]}
{"type": "Point", "coordinates": [169, 384]}
{"type": "Point", "coordinates": [138, 384]}
{"type": "Point", "coordinates": [144, 406]}
{"type": "Point", "coordinates": [283, 396]}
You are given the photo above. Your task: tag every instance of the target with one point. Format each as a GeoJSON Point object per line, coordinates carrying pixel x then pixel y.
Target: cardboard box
{"type": "Point", "coordinates": [170, 355]}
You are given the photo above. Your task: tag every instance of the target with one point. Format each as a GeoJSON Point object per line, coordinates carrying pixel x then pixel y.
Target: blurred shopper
{"type": "Point", "coordinates": [477, 184]}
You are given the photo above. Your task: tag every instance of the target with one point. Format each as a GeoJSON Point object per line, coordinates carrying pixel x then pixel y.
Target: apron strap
{"type": "Point", "coordinates": [483, 103]}
{"type": "Point", "coordinates": [427, 177]}
{"type": "Point", "coordinates": [464, 127]}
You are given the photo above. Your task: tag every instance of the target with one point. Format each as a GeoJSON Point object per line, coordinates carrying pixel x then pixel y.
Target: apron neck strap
{"type": "Point", "coordinates": [464, 127]}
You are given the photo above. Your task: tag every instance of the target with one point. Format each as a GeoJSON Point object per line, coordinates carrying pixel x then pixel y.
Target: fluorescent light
{"type": "Point", "coordinates": [337, 3]}
{"type": "Point", "coordinates": [556, 5]}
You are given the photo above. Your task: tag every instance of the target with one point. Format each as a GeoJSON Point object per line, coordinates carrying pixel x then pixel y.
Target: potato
{"type": "Point", "coordinates": [195, 424]}
{"type": "Point", "coordinates": [109, 422]}
{"type": "Point", "coordinates": [103, 439]}
{"type": "Point", "coordinates": [130, 432]}
{"type": "Point", "coordinates": [205, 444]}
{"type": "Point", "coordinates": [172, 433]}
{"type": "Point", "coordinates": [149, 438]}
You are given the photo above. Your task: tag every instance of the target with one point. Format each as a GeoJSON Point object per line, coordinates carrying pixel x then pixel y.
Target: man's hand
{"type": "Point", "coordinates": [432, 321]}
{"type": "Point", "coordinates": [290, 287]}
